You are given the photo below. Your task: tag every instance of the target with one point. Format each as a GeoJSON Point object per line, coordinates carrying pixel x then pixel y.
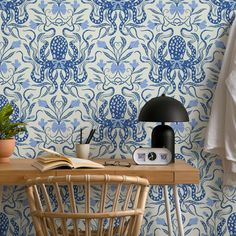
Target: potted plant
{"type": "Point", "coordinates": [8, 130]}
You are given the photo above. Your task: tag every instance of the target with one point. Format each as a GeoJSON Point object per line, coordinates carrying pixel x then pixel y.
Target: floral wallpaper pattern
{"type": "Point", "coordinates": [67, 65]}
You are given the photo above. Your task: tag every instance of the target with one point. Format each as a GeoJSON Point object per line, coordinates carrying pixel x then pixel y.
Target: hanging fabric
{"type": "Point", "coordinates": [221, 131]}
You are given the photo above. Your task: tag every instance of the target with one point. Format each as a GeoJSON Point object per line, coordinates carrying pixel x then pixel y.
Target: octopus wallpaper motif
{"type": "Point", "coordinates": [67, 65]}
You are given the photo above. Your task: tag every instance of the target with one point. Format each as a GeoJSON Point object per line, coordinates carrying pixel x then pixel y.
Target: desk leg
{"type": "Point", "coordinates": [178, 211]}
{"type": "Point", "coordinates": [168, 214]}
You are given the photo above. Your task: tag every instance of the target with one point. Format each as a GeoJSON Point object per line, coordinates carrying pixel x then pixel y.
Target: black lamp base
{"type": "Point", "coordinates": [163, 136]}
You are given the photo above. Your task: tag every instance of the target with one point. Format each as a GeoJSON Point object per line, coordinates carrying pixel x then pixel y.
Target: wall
{"type": "Point", "coordinates": [66, 65]}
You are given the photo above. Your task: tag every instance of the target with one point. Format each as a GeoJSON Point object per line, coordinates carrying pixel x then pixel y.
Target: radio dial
{"type": "Point", "coordinates": [152, 156]}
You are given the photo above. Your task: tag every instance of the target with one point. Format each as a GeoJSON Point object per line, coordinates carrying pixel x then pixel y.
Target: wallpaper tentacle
{"type": "Point", "coordinates": [67, 65]}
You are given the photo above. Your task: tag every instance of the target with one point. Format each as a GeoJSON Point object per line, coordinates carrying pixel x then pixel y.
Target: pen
{"type": "Point", "coordinates": [81, 136]}
{"type": "Point", "coordinates": [90, 136]}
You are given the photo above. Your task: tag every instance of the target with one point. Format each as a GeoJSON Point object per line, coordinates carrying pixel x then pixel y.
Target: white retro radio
{"type": "Point", "coordinates": [152, 156]}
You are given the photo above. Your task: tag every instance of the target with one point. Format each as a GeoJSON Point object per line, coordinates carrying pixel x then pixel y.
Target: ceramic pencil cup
{"type": "Point", "coordinates": [82, 150]}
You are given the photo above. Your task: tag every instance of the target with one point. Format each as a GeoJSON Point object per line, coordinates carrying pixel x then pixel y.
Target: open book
{"type": "Point", "coordinates": [53, 160]}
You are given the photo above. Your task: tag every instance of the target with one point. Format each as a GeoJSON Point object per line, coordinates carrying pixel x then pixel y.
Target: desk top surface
{"type": "Point", "coordinates": [18, 170]}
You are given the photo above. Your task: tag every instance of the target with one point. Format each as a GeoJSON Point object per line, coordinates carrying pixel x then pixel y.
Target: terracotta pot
{"type": "Point", "coordinates": [7, 147]}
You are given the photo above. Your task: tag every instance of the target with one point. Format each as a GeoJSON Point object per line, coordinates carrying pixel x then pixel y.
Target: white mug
{"type": "Point", "coordinates": [82, 150]}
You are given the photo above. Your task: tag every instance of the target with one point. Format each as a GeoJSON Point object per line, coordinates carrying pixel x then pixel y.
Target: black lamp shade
{"type": "Point", "coordinates": [163, 109]}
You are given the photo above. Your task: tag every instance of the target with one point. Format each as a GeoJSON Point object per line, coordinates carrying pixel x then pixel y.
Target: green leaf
{"type": "Point", "coordinates": [6, 112]}
{"type": "Point", "coordinates": [9, 129]}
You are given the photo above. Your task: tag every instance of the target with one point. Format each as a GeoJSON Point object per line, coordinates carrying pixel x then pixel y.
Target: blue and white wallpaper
{"type": "Point", "coordinates": [72, 64]}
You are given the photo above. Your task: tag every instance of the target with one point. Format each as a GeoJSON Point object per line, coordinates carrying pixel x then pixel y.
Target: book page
{"type": "Point", "coordinates": [53, 156]}
{"type": "Point", "coordinates": [78, 163]}
{"type": "Point", "coordinates": [53, 153]}
{"type": "Point", "coordinates": [49, 166]}
{"type": "Point", "coordinates": [49, 159]}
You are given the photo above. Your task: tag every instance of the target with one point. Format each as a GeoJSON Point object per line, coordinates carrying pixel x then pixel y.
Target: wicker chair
{"type": "Point", "coordinates": [87, 205]}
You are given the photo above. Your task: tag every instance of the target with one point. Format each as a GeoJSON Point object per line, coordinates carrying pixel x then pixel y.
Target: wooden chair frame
{"type": "Point", "coordinates": [46, 217]}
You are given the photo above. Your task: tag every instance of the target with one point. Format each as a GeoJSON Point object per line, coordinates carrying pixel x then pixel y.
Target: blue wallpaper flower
{"type": "Point", "coordinates": [67, 65]}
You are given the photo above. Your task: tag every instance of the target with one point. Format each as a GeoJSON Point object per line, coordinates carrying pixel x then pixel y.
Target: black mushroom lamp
{"type": "Point", "coordinates": [163, 109]}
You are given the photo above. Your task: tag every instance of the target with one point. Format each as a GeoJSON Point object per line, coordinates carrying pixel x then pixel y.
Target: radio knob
{"type": "Point", "coordinates": [152, 156]}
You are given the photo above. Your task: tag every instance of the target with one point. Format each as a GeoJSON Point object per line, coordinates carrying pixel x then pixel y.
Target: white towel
{"type": "Point", "coordinates": [221, 130]}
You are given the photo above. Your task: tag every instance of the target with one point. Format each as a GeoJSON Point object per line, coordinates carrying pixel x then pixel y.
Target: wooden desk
{"type": "Point", "coordinates": [19, 170]}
